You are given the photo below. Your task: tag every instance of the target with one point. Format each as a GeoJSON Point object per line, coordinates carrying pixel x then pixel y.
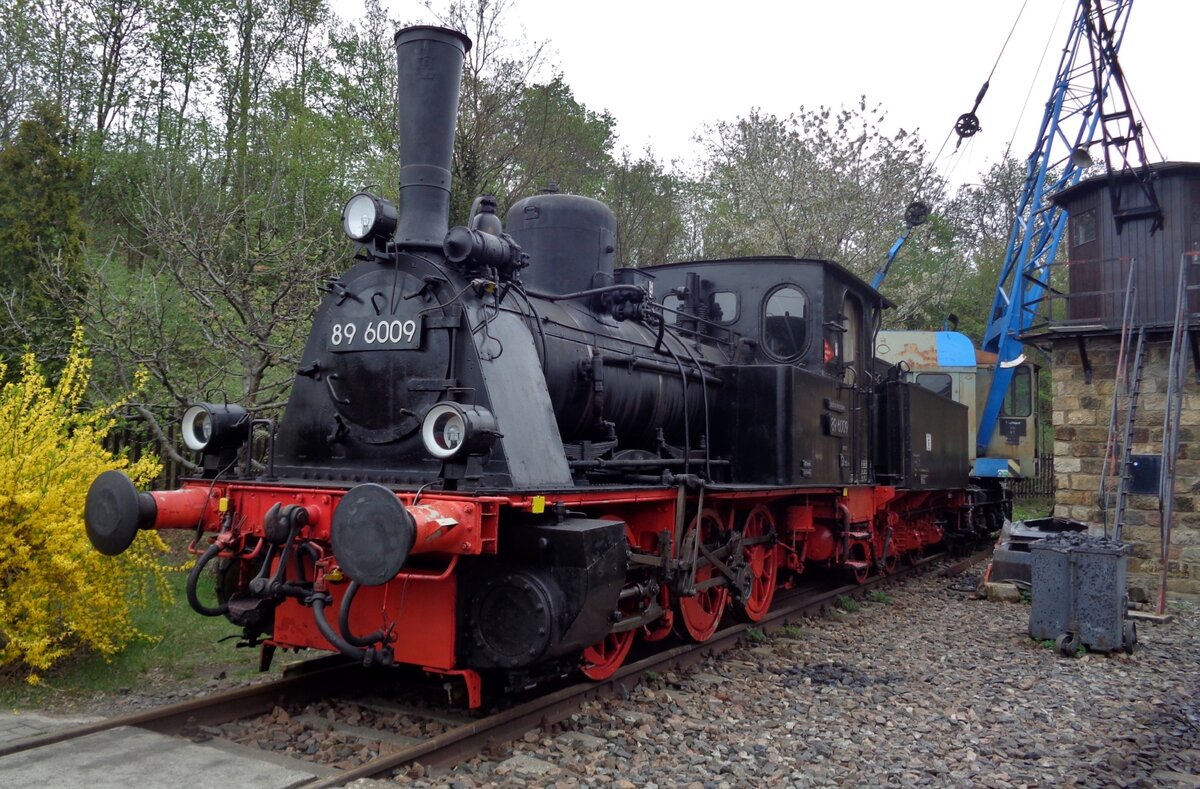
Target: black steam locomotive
{"type": "Point", "coordinates": [503, 458]}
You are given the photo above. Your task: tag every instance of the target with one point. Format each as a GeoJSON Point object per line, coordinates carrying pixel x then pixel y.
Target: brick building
{"type": "Point", "coordinates": [1084, 338]}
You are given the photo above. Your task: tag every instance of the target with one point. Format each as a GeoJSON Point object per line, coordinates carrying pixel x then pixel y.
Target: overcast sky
{"type": "Point", "coordinates": [664, 68]}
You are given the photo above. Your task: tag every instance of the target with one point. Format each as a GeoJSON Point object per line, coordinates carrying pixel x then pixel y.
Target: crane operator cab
{"type": "Point", "coordinates": [948, 363]}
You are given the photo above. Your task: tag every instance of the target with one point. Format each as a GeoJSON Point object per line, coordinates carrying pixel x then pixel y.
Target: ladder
{"type": "Point", "coordinates": [1139, 365]}
{"type": "Point", "coordinates": [1176, 379]}
{"type": "Point", "coordinates": [1123, 387]}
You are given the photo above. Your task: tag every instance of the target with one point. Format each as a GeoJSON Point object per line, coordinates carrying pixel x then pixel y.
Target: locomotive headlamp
{"type": "Point", "coordinates": [367, 216]}
{"type": "Point", "coordinates": [452, 428]}
{"type": "Point", "coordinates": [209, 428]}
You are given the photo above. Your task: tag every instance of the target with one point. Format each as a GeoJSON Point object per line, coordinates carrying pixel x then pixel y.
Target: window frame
{"type": "Point", "coordinates": [949, 385]}
{"type": "Point", "coordinates": [806, 317]}
{"type": "Point", "coordinates": [1083, 223]}
{"type": "Point", "coordinates": [1026, 372]}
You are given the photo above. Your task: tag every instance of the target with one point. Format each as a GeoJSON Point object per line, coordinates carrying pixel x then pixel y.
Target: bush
{"type": "Point", "coordinates": [57, 594]}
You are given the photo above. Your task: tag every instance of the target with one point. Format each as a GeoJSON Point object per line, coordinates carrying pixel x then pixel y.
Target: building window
{"type": "Point", "coordinates": [936, 382]}
{"type": "Point", "coordinates": [1018, 400]}
{"type": "Point", "coordinates": [1083, 227]}
{"type": "Point", "coordinates": [785, 323]}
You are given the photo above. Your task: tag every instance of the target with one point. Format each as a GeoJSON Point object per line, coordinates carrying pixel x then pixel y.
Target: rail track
{"type": "Point", "coordinates": [457, 737]}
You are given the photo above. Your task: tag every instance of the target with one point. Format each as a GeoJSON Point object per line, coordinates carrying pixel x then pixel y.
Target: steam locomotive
{"type": "Point", "coordinates": [504, 460]}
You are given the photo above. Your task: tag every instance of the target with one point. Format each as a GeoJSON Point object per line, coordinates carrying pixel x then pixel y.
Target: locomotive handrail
{"type": "Point", "coordinates": [662, 367]}
{"type": "Point", "coordinates": [582, 294]}
{"type": "Point", "coordinates": [637, 462]}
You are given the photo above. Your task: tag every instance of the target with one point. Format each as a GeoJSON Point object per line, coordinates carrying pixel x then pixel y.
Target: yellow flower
{"type": "Point", "coordinates": [57, 594]}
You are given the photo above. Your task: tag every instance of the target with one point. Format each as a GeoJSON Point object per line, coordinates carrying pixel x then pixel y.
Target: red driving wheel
{"type": "Point", "coordinates": [763, 560]}
{"type": "Point", "coordinates": [602, 659]}
{"type": "Point", "coordinates": [700, 614]}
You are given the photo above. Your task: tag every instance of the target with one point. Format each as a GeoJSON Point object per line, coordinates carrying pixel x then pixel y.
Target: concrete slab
{"type": "Point", "coordinates": [17, 726]}
{"type": "Point", "coordinates": [1146, 616]}
{"type": "Point", "coordinates": [125, 757]}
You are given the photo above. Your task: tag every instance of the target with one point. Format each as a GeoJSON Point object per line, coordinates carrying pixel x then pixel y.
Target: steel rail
{"type": "Point", "coordinates": [322, 677]}
{"type": "Point", "coordinates": [456, 744]}
{"type": "Point", "coordinates": [304, 683]}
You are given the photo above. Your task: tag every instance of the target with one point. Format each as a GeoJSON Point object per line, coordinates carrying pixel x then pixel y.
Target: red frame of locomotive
{"type": "Point", "coordinates": [860, 528]}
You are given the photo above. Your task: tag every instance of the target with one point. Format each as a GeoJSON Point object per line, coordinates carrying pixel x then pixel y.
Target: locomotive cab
{"type": "Point", "coordinates": [800, 332]}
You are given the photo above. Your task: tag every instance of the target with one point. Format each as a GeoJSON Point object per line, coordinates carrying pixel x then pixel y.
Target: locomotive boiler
{"type": "Point", "coordinates": [504, 460]}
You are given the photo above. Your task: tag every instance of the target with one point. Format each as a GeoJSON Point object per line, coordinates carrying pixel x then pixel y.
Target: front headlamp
{"type": "Point", "coordinates": [368, 217]}
{"type": "Point", "coordinates": [209, 428]}
{"type": "Point", "coordinates": [450, 429]}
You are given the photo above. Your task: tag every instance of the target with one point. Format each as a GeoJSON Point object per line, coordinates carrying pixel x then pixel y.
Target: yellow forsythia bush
{"type": "Point", "coordinates": [57, 594]}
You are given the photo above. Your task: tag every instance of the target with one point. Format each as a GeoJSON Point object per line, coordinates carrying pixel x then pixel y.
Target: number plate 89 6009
{"type": "Point", "coordinates": [379, 334]}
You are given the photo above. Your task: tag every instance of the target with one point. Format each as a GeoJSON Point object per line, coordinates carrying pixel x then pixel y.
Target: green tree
{"type": "Point", "coordinates": [648, 202]}
{"type": "Point", "coordinates": [516, 134]}
{"type": "Point", "coordinates": [981, 216]}
{"type": "Point", "coordinates": [19, 25]}
{"type": "Point", "coordinates": [40, 230]}
{"type": "Point", "coordinates": [818, 183]}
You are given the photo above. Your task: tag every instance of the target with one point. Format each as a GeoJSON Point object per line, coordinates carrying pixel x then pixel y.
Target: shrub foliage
{"type": "Point", "coordinates": [57, 594]}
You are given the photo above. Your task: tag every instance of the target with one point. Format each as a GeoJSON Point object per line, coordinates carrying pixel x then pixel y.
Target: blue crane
{"type": "Point", "coordinates": [1089, 104]}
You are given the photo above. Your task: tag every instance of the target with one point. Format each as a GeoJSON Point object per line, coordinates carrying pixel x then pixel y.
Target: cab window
{"type": "Point", "coordinates": [785, 323]}
{"type": "Point", "coordinates": [1018, 401]}
{"type": "Point", "coordinates": [672, 304]}
{"type": "Point", "coordinates": [723, 307]}
{"type": "Point", "coordinates": [936, 382]}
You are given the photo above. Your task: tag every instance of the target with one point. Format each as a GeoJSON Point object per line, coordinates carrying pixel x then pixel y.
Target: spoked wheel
{"type": "Point", "coordinates": [602, 659]}
{"type": "Point", "coordinates": [700, 614]}
{"type": "Point", "coordinates": [762, 559]}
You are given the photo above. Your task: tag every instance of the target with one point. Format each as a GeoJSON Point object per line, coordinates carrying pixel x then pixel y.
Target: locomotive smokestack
{"type": "Point", "coordinates": [429, 62]}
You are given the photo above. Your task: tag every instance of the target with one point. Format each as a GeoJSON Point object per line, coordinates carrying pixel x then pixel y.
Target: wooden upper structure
{"type": "Point", "coordinates": [1100, 250]}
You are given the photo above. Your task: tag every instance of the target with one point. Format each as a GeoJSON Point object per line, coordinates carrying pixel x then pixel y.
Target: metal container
{"type": "Point", "coordinates": [1078, 586]}
{"type": "Point", "coordinates": [1050, 581]}
{"type": "Point", "coordinates": [1100, 601]}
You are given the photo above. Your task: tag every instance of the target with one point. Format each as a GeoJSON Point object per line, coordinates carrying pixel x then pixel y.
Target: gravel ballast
{"type": "Point", "coordinates": [929, 687]}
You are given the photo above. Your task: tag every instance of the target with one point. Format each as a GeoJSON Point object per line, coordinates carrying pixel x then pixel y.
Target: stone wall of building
{"type": "Point", "coordinates": [1081, 420]}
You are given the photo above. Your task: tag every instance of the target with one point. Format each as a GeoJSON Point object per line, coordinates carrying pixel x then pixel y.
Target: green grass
{"type": "Point", "coordinates": [847, 603]}
{"type": "Point", "coordinates": [792, 631]}
{"type": "Point", "coordinates": [1028, 508]}
{"type": "Point", "coordinates": [879, 596]}
{"type": "Point", "coordinates": [755, 636]}
{"type": "Point", "coordinates": [186, 646]}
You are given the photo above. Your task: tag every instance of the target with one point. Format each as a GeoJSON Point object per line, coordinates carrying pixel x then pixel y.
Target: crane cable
{"type": "Point", "coordinates": [967, 124]}
{"type": "Point", "coordinates": [1035, 79]}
